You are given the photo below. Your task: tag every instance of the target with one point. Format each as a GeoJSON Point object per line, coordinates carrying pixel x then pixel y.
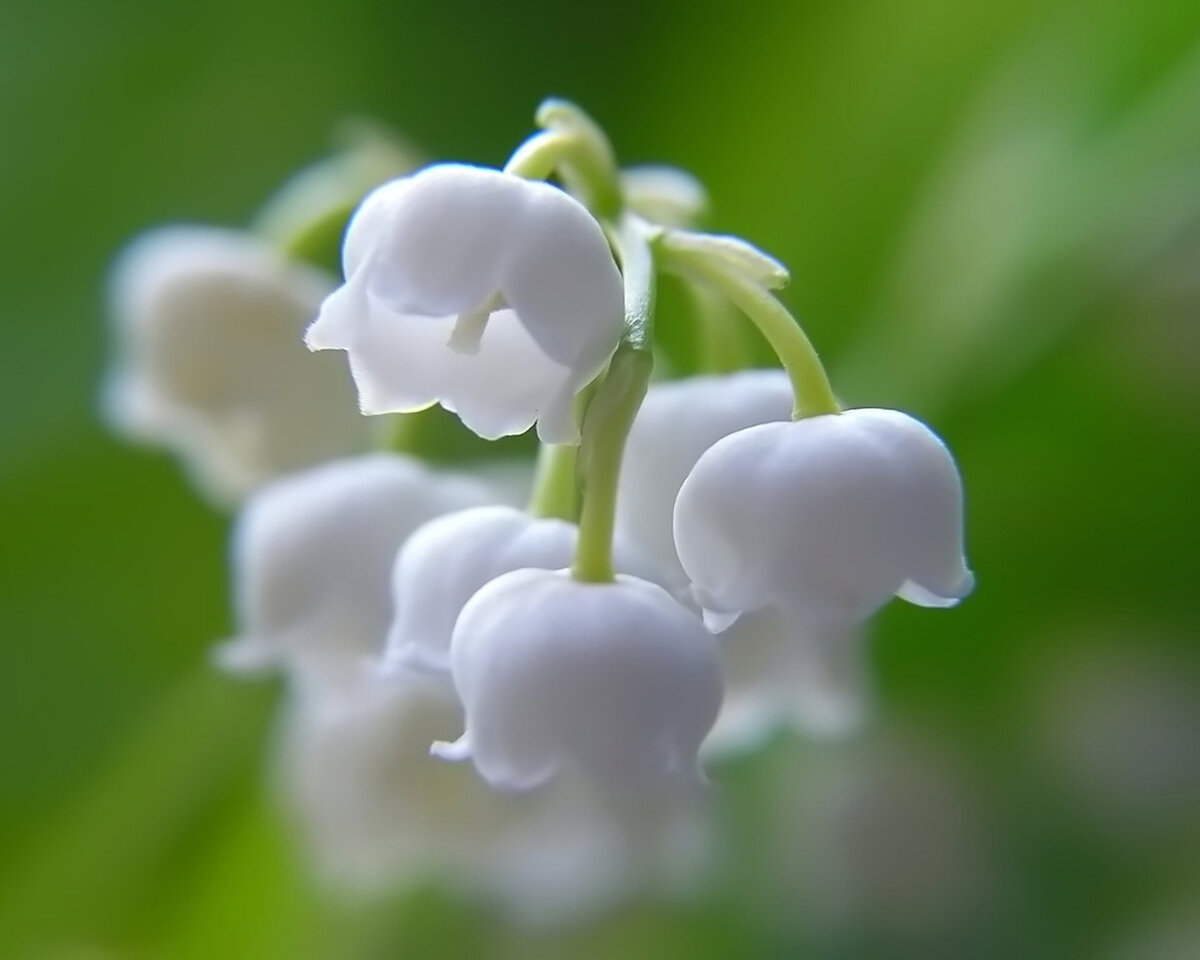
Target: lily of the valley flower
{"type": "Point", "coordinates": [617, 680]}
{"type": "Point", "coordinates": [775, 676]}
{"type": "Point", "coordinates": [496, 297]}
{"type": "Point", "coordinates": [311, 555]}
{"type": "Point", "coordinates": [377, 812]}
{"type": "Point", "coordinates": [677, 422]}
{"type": "Point", "coordinates": [824, 518]}
{"type": "Point", "coordinates": [210, 360]}
{"type": "Point", "coordinates": [448, 560]}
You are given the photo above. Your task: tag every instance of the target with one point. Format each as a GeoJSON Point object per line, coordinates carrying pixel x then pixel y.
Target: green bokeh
{"type": "Point", "coordinates": [992, 216]}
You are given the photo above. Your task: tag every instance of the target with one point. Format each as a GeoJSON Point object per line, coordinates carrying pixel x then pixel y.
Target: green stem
{"type": "Point", "coordinates": [555, 492]}
{"type": "Point", "coordinates": [810, 383]}
{"type": "Point", "coordinates": [577, 150]}
{"type": "Point", "coordinates": [611, 412]}
{"type": "Point", "coordinates": [722, 346]}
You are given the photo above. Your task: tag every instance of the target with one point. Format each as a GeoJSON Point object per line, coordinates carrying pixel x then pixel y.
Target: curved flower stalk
{"type": "Point", "coordinates": [616, 680]}
{"type": "Point", "coordinates": [311, 555]}
{"type": "Point", "coordinates": [209, 360]}
{"type": "Point", "coordinates": [677, 422]}
{"type": "Point", "coordinates": [493, 295]}
{"type": "Point", "coordinates": [825, 518]}
{"type": "Point", "coordinates": [449, 559]}
{"type": "Point", "coordinates": [375, 811]}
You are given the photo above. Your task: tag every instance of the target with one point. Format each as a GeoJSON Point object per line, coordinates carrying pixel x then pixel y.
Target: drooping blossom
{"type": "Point", "coordinates": [495, 296]}
{"type": "Point", "coordinates": [210, 361]}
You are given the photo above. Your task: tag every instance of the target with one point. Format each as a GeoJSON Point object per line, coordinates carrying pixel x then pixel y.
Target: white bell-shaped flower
{"type": "Point", "coordinates": [617, 680]}
{"type": "Point", "coordinates": [780, 679]}
{"type": "Point", "coordinates": [210, 360]}
{"type": "Point", "coordinates": [312, 554]}
{"type": "Point", "coordinates": [677, 422]}
{"type": "Point", "coordinates": [496, 297]}
{"type": "Point", "coordinates": [375, 811]}
{"type": "Point", "coordinates": [824, 518]}
{"type": "Point", "coordinates": [449, 559]}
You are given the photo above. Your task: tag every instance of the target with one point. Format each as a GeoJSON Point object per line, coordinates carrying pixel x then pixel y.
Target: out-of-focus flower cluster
{"type": "Point", "coordinates": [691, 572]}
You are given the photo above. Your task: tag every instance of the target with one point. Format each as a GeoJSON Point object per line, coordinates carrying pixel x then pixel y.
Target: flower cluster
{"type": "Point", "coordinates": [692, 569]}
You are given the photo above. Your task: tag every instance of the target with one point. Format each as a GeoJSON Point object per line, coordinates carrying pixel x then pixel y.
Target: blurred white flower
{"type": "Point", "coordinates": [496, 297]}
{"type": "Point", "coordinates": [210, 360]}
{"type": "Point", "coordinates": [883, 841]}
{"type": "Point", "coordinates": [677, 422]}
{"type": "Point", "coordinates": [778, 679]}
{"type": "Point", "coordinates": [311, 555]}
{"type": "Point", "coordinates": [375, 811]}
{"type": "Point", "coordinates": [825, 518]}
{"type": "Point", "coordinates": [617, 680]}
{"type": "Point", "coordinates": [449, 559]}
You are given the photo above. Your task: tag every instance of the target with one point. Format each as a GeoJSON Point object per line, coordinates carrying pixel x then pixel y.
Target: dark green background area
{"type": "Point", "coordinates": [991, 212]}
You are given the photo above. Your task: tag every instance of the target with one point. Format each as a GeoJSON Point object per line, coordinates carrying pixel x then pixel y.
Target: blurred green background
{"type": "Point", "coordinates": [992, 216]}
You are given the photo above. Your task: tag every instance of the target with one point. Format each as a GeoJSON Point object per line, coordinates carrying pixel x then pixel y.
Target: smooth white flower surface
{"type": "Point", "coordinates": [825, 518]}
{"type": "Point", "coordinates": [677, 422]}
{"type": "Point", "coordinates": [210, 360]}
{"type": "Point", "coordinates": [780, 679]}
{"type": "Point", "coordinates": [312, 553]}
{"type": "Point", "coordinates": [496, 297]}
{"type": "Point", "coordinates": [449, 559]}
{"type": "Point", "coordinates": [375, 811]}
{"type": "Point", "coordinates": [617, 680]}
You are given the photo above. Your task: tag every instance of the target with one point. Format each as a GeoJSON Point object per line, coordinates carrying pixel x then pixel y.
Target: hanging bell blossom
{"type": "Point", "coordinates": [312, 553]}
{"type": "Point", "coordinates": [825, 518]}
{"type": "Point", "coordinates": [210, 361]}
{"type": "Point", "coordinates": [376, 812]}
{"type": "Point", "coordinates": [495, 296]}
{"type": "Point", "coordinates": [448, 560]}
{"type": "Point", "coordinates": [617, 680]}
{"type": "Point", "coordinates": [778, 679]}
{"type": "Point", "coordinates": [677, 422]}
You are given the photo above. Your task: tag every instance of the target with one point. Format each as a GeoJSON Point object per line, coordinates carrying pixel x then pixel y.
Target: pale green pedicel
{"type": "Point", "coordinates": [732, 270]}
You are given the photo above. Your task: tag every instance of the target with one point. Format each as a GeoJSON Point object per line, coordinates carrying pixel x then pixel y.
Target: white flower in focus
{"type": "Point", "coordinates": [677, 422]}
{"type": "Point", "coordinates": [824, 518]}
{"type": "Point", "coordinates": [312, 552]}
{"type": "Point", "coordinates": [617, 680]}
{"type": "Point", "coordinates": [496, 297]}
{"type": "Point", "coordinates": [210, 359]}
{"type": "Point", "coordinates": [375, 811]}
{"type": "Point", "coordinates": [448, 560]}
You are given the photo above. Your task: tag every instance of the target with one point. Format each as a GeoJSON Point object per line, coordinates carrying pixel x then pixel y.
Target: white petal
{"type": "Point", "coordinates": [209, 359]}
{"type": "Point", "coordinates": [312, 555]}
{"type": "Point", "coordinates": [449, 559]}
{"type": "Point", "coordinates": [677, 422]}
{"type": "Point", "coordinates": [826, 517]}
{"type": "Point", "coordinates": [452, 241]}
{"type": "Point", "coordinates": [618, 680]}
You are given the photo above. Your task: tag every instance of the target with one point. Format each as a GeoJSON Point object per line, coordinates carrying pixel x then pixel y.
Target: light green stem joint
{"type": "Point", "coordinates": [572, 145]}
{"type": "Point", "coordinates": [555, 488]}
